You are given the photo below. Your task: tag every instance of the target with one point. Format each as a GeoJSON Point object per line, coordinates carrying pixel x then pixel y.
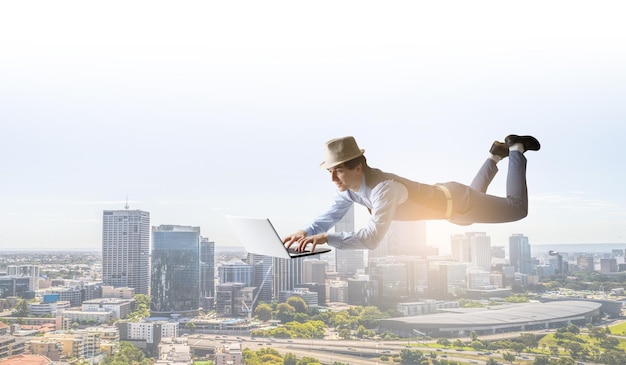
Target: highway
{"type": "Point", "coordinates": [354, 352]}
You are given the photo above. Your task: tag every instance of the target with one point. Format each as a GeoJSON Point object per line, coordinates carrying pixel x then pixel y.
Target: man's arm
{"type": "Point", "coordinates": [385, 198]}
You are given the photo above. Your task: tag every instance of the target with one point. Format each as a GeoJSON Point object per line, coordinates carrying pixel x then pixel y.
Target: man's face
{"type": "Point", "coordinates": [345, 178]}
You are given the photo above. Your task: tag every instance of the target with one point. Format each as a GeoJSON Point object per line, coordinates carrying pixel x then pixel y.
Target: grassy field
{"type": "Point", "coordinates": [619, 329]}
{"type": "Point", "coordinates": [588, 343]}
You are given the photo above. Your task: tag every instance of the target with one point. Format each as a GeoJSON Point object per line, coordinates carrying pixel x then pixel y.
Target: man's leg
{"type": "Point", "coordinates": [484, 208]}
{"type": "Point", "coordinates": [489, 169]}
{"type": "Point", "coordinates": [484, 176]}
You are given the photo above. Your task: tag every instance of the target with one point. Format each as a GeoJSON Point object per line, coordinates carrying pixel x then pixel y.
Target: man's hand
{"type": "Point", "coordinates": [301, 241]}
{"type": "Point", "coordinates": [293, 238]}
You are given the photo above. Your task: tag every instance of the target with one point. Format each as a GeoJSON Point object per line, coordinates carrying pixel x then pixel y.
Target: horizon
{"type": "Point", "coordinates": [241, 248]}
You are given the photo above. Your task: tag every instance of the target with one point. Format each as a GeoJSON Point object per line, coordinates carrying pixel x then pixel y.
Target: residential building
{"type": "Point", "coordinates": [126, 249]}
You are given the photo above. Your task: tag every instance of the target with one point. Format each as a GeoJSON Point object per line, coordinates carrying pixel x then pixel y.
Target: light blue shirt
{"type": "Point", "coordinates": [382, 201]}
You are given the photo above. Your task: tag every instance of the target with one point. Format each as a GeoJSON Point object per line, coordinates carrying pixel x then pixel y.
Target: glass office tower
{"type": "Point", "coordinates": [175, 270]}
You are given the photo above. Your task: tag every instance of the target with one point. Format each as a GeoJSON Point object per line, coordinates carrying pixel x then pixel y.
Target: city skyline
{"type": "Point", "coordinates": [202, 110]}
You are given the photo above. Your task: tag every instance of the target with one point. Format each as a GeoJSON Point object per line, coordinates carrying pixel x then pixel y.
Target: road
{"type": "Point", "coordinates": [353, 352]}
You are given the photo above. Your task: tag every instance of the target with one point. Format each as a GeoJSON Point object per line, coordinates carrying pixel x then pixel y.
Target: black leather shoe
{"type": "Point", "coordinates": [499, 149]}
{"type": "Point", "coordinates": [530, 143]}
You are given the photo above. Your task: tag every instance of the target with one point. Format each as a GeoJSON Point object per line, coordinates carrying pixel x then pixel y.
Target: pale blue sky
{"type": "Point", "coordinates": [194, 111]}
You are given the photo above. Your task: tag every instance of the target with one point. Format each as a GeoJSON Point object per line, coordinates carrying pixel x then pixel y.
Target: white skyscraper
{"type": "Point", "coordinates": [480, 250]}
{"type": "Point", "coordinates": [472, 247]}
{"type": "Point", "coordinates": [126, 249]}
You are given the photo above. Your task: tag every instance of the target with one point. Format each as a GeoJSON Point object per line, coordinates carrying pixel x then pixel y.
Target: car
{"type": "Point", "coordinates": [439, 350]}
{"type": "Point", "coordinates": [385, 352]}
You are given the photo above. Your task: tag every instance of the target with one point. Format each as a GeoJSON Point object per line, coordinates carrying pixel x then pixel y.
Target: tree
{"type": "Point", "coordinates": [573, 329]}
{"type": "Point", "coordinates": [128, 354]}
{"type": "Point", "coordinates": [285, 312]}
{"type": "Point", "coordinates": [21, 308]}
{"type": "Point", "coordinates": [565, 361]}
{"type": "Point", "coordinates": [301, 317]}
{"type": "Point", "coordinates": [263, 312]}
{"type": "Point", "coordinates": [529, 340]}
{"type": "Point", "coordinates": [491, 361]}
{"type": "Point", "coordinates": [363, 332]}
{"type": "Point", "coordinates": [307, 360]}
{"type": "Point", "coordinates": [370, 316]}
{"type": "Point", "coordinates": [477, 345]}
{"type": "Point", "coordinates": [609, 343]}
{"type": "Point", "coordinates": [444, 342]}
{"type": "Point", "coordinates": [574, 348]}
{"type": "Point", "coordinates": [413, 357]}
{"type": "Point", "coordinates": [613, 357]}
{"type": "Point", "coordinates": [190, 326]}
{"type": "Point", "coordinates": [518, 347]}
{"type": "Point", "coordinates": [290, 359]}
{"type": "Point", "coordinates": [142, 306]}
{"type": "Point", "coordinates": [298, 304]}
{"type": "Point", "coordinates": [541, 360]}
{"type": "Point", "coordinates": [473, 336]}
{"type": "Point", "coordinates": [345, 334]}
{"type": "Point", "coordinates": [508, 357]}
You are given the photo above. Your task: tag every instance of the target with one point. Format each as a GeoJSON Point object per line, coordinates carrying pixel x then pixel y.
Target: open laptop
{"type": "Point", "coordinates": [258, 236]}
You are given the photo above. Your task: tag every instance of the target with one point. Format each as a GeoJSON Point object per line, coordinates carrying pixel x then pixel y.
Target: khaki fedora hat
{"type": "Point", "coordinates": [340, 150]}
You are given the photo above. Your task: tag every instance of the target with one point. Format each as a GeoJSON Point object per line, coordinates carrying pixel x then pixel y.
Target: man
{"type": "Point", "coordinates": [389, 197]}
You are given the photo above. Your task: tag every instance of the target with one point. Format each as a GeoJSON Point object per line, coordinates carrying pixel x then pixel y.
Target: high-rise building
{"type": "Point", "coordinates": [287, 273]}
{"type": "Point", "coordinates": [480, 250]}
{"type": "Point", "coordinates": [126, 249]}
{"type": "Point", "coordinates": [30, 271]}
{"type": "Point", "coordinates": [446, 278]}
{"type": "Point", "coordinates": [314, 271]}
{"type": "Point", "coordinates": [359, 291]}
{"type": "Point", "coordinates": [236, 271]}
{"type": "Point", "coordinates": [608, 266]}
{"type": "Point", "coordinates": [586, 263]}
{"type": "Point", "coordinates": [460, 248]}
{"type": "Point", "coordinates": [349, 262]}
{"type": "Point", "coordinates": [519, 253]}
{"type": "Point", "coordinates": [262, 278]}
{"type": "Point", "coordinates": [207, 268]}
{"type": "Point", "coordinates": [472, 247]}
{"type": "Point", "coordinates": [175, 270]}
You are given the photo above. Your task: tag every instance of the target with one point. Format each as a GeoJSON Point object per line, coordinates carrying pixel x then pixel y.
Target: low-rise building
{"type": "Point", "coordinates": [119, 307]}
{"type": "Point", "coordinates": [10, 346]}
{"type": "Point", "coordinates": [229, 354]}
{"type": "Point", "coordinates": [47, 308]}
